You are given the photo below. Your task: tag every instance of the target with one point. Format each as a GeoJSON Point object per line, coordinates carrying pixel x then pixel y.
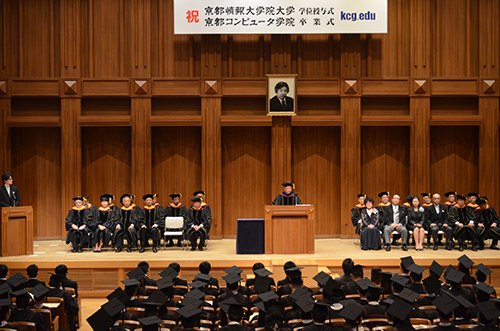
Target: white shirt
{"type": "Point", "coordinates": [396, 213]}
{"type": "Point", "coordinates": [437, 209]}
{"type": "Point", "coordinates": [7, 187]}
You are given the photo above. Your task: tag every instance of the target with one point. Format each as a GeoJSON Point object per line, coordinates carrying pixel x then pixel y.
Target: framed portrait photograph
{"type": "Point", "coordinates": [281, 95]}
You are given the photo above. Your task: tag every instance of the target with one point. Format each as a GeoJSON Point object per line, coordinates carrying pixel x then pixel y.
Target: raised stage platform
{"type": "Point", "coordinates": [99, 273]}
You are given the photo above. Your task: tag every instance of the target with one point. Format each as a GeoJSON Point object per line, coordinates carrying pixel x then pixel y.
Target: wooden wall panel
{"type": "Point", "coordinates": [246, 174]}
{"type": "Point", "coordinates": [315, 54]}
{"type": "Point", "coordinates": [36, 166]}
{"type": "Point", "coordinates": [385, 160]}
{"type": "Point", "coordinates": [456, 49]}
{"type": "Point", "coordinates": [105, 52]}
{"type": "Point", "coordinates": [454, 159]}
{"type": "Point", "coordinates": [243, 56]}
{"type": "Point", "coordinates": [386, 55]}
{"type": "Point", "coordinates": [106, 162]}
{"type": "Point", "coordinates": [176, 162]}
{"type": "Point", "coordinates": [316, 173]}
{"type": "Point", "coordinates": [36, 38]}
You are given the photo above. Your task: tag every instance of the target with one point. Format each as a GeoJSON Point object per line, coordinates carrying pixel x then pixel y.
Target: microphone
{"type": "Point", "coordinates": [14, 197]}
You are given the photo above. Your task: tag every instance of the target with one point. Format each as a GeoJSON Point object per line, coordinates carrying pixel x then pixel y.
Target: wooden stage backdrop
{"type": "Point", "coordinates": [101, 96]}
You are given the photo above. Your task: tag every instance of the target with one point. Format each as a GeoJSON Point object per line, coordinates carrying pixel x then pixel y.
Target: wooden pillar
{"type": "Point", "coordinates": [211, 160]}
{"type": "Point", "coordinates": [281, 153]}
{"type": "Point", "coordinates": [4, 110]}
{"type": "Point", "coordinates": [420, 156]}
{"type": "Point", "coordinates": [350, 168]}
{"type": "Point", "coordinates": [141, 147]}
{"type": "Point", "coordinates": [489, 149]}
{"type": "Point", "coordinates": [71, 154]}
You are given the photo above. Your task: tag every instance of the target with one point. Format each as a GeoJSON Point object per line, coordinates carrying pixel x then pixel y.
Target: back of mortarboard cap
{"type": "Point", "coordinates": [408, 295]}
{"type": "Point", "coordinates": [234, 270]}
{"type": "Point", "coordinates": [198, 284]}
{"type": "Point", "coordinates": [196, 199]}
{"type": "Point", "coordinates": [322, 278]}
{"type": "Point", "coordinates": [119, 294]}
{"type": "Point", "coordinates": [268, 296]}
{"type": "Point", "coordinates": [5, 302]}
{"type": "Point", "coordinates": [4, 288]}
{"type": "Point", "coordinates": [158, 296]}
{"type": "Point", "coordinates": [39, 291]}
{"type": "Point", "coordinates": [188, 311]}
{"type": "Point", "coordinates": [147, 196]}
{"type": "Point", "coordinates": [164, 283]}
{"type": "Point", "coordinates": [364, 283]}
{"type": "Point", "coordinates": [485, 288]}
{"type": "Point", "coordinates": [175, 195]}
{"type": "Point", "coordinates": [351, 311]}
{"type": "Point", "coordinates": [447, 194]}
{"type": "Point", "coordinates": [150, 322]}
{"type": "Point", "coordinates": [55, 280]}
{"type": "Point", "coordinates": [432, 284]}
{"type": "Point", "coordinates": [400, 309]}
{"type": "Point", "coordinates": [16, 281]}
{"type": "Point", "coordinates": [169, 272]}
{"type": "Point", "coordinates": [488, 310]}
{"type": "Point", "coordinates": [137, 274]}
{"type": "Point", "coordinates": [113, 307]}
{"type": "Point", "coordinates": [305, 303]}
{"type": "Point", "coordinates": [407, 261]}
{"type": "Point", "coordinates": [130, 282]}
{"type": "Point", "coordinates": [381, 194]}
{"type": "Point", "coordinates": [263, 272]}
{"type": "Point", "coordinates": [101, 320]}
{"type": "Point", "coordinates": [400, 280]}
{"type": "Point", "coordinates": [285, 184]}
{"type": "Point", "coordinates": [415, 268]}
{"type": "Point", "coordinates": [465, 261]}
{"type": "Point", "coordinates": [461, 197]}
{"type": "Point", "coordinates": [445, 304]}
{"type": "Point", "coordinates": [262, 284]}
{"type": "Point", "coordinates": [195, 294]}
{"type": "Point", "coordinates": [483, 269]}
{"type": "Point", "coordinates": [232, 278]}
{"type": "Point", "coordinates": [436, 268]}
{"type": "Point", "coordinates": [454, 276]}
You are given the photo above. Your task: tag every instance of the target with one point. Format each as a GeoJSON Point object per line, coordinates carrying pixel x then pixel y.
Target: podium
{"type": "Point", "coordinates": [289, 229]}
{"type": "Point", "coordinates": [16, 231]}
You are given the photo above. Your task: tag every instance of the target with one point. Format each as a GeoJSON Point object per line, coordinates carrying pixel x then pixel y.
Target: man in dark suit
{"type": "Point", "coordinates": [436, 217]}
{"type": "Point", "coordinates": [9, 194]}
{"type": "Point", "coordinates": [395, 220]}
{"type": "Point", "coordinates": [281, 102]}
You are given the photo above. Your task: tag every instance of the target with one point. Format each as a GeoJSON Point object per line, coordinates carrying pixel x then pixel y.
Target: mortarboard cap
{"type": "Point", "coordinates": [465, 261]}
{"type": "Point", "coordinates": [197, 284]}
{"type": "Point", "coordinates": [432, 284]}
{"type": "Point", "coordinates": [461, 197]}
{"type": "Point", "coordinates": [234, 270]}
{"type": "Point", "coordinates": [361, 195]}
{"type": "Point", "coordinates": [364, 283]}
{"type": "Point", "coordinates": [400, 309]}
{"type": "Point", "coordinates": [436, 268]}
{"type": "Point", "coordinates": [268, 296]}
{"type": "Point", "coordinates": [16, 281]}
{"type": "Point", "coordinates": [147, 196]}
{"type": "Point", "coordinates": [78, 198]}
{"type": "Point", "coordinates": [39, 291]}
{"type": "Point", "coordinates": [157, 297]}
{"type": "Point", "coordinates": [150, 321]}
{"type": "Point", "coordinates": [485, 288]}
{"type": "Point", "coordinates": [194, 294]}
{"type": "Point", "coordinates": [463, 301]}
{"type": "Point", "coordinates": [408, 295]}
{"type": "Point", "coordinates": [100, 320]}
{"type": "Point", "coordinates": [381, 194]}
{"type": "Point", "coordinates": [425, 195]}
{"type": "Point", "coordinates": [285, 184]}
{"type": "Point", "coordinates": [188, 311]}
{"type": "Point", "coordinates": [322, 278]}
{"type": "Point", "coordinates": [232, 278]}
{"type": "Point", "coordinates": [130, 282]}
{"type": "Point", "coordinates": [225, 304]}
{"type": "Point", "coordinates": [351, 311]}
{"type": "Point", "coordinates": [55, 280]}
{"type": "Point", "coordinates": [119, 294]}
{"type": "Point", "coordinates": [196, 199]}
{"type": "Point", "coordinates": [406, 262]}
{"type": "Point", "coordinates": [299, 293]}
{"type": "Point", "coordinates": [203, 277]}
{"type": "Point", "coordinates": [483, 269]}
{"type": "Point", "coordinates": [445, 304]}
{"type": "Point", "coordinates": [169, 272]}
{"type": "Point", "coordinates": [448, 269]}
{"type": "Point", "coordinates": [263, 272]}
{"type": "Point", "coordinates": [164, 283]}
{"type": "Point", "coordinates": [399, 279]}
{"type": "Point", "coordinates": [126, 195]}
{"type": "Point", "coordinates": [447, 194]}
{"type": "Point", "coordinates": [488, 310]}
{"type": "Point", "coordinates": [481, 201]}
{"type": "Point", "coordinates": [262, 284]}
{"type": "Point", "coordinates": [198, 192]}
{"type": "Point", "coordinates": [175, 195]}
{"type": "Point", "coordinates": [415, 268]}
{"type": "Point", "coordinates": [105, 197]}
{"type": "Point", "coordinates": [305, 303]}
{"type": "Point", "coordinates": [472, 194]}
{"type": "Point", "coordinates": [409, 198]}
{"type": "Point", "coordinates": [20, 292]}
{"type": "Point", "coordinates": [113, 307]}
{"type": "Point", "coordinates": [5, 302]}
{"type": "Point", "coordinates": [137, 273]}
{"type": "Point", "coordinates": [333, 288]}
{"type": "Point", "coordinates": [454, 276]}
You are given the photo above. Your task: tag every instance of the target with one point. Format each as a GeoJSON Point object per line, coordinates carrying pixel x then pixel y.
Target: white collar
{"type": "Point", "coordinates": [233, 323]}
{"type": "Point", "coordinates": [373, 303]}
{"type": "Point", "coordinates": [2, 323]}
{"type": "Point", "coordinates": [307, 321]}
{"type": "Point", "coordinates": [38, 305]}
{"type": "Point", "coordinates": [445, 323]}
{"type": "Point", "coordinates": [430, 295]}
{"type": "Point", "coordinates": [3, 278]}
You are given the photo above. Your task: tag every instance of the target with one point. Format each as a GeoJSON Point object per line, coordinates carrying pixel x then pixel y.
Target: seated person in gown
{"type": "Point", "coordinates": [104, 224]}
{"type": "Point", "coordinates": [370, 235]}
{"type": "Point", "coordinates": [78, 225]}
{"type": "Point", "coordinates": [204, 205]}
{"type": "Point", "coordinates": [126, 223]}
{"type": "Point", "coordinates": [287, 197]}
{"type": "Point", "coordinates": [196, 224]}
{"type": "Point", "coordinates": [356, 213]}
{"type": "Point", "coordinates": [150, 223]}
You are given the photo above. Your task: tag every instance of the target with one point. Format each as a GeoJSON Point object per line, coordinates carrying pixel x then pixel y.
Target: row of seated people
{"type": "Point", "coordinates": [111, 225]}
{"type": "Point", "coordinates": [390, 300]}
{"type": "Point", "coordinates": [462, 218]}
{"type": "Point", "coordinates": [25, 299]}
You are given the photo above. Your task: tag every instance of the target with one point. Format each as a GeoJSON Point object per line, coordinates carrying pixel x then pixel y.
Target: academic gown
{"type": "Point", "coordinates": [105, 217]}
{"type": "Point", "coordinates": [79, 216]}
{"type": "Point", "coordinates": [197, 217]}
{"type": "Point", "coordinates": [127, 217]}
{"type": "Point", "coordinates": [28, 315]}
{"type": "Point", "coordinates": [459, 215]}
{"type": "Point", "coordinates": [150, 216]}
{"type": "Point", "coordinates": [70, 305]}
{"type": "Point", "coordinates": [284, 199]}
{"type": "Point", "coordinates": [356, 217]}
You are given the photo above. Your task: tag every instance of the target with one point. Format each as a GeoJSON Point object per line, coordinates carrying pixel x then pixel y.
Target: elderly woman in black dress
{"type": "Point", "coordinates": [370, 234]}
{"type": "Point", "coordinates": [416, 221]}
